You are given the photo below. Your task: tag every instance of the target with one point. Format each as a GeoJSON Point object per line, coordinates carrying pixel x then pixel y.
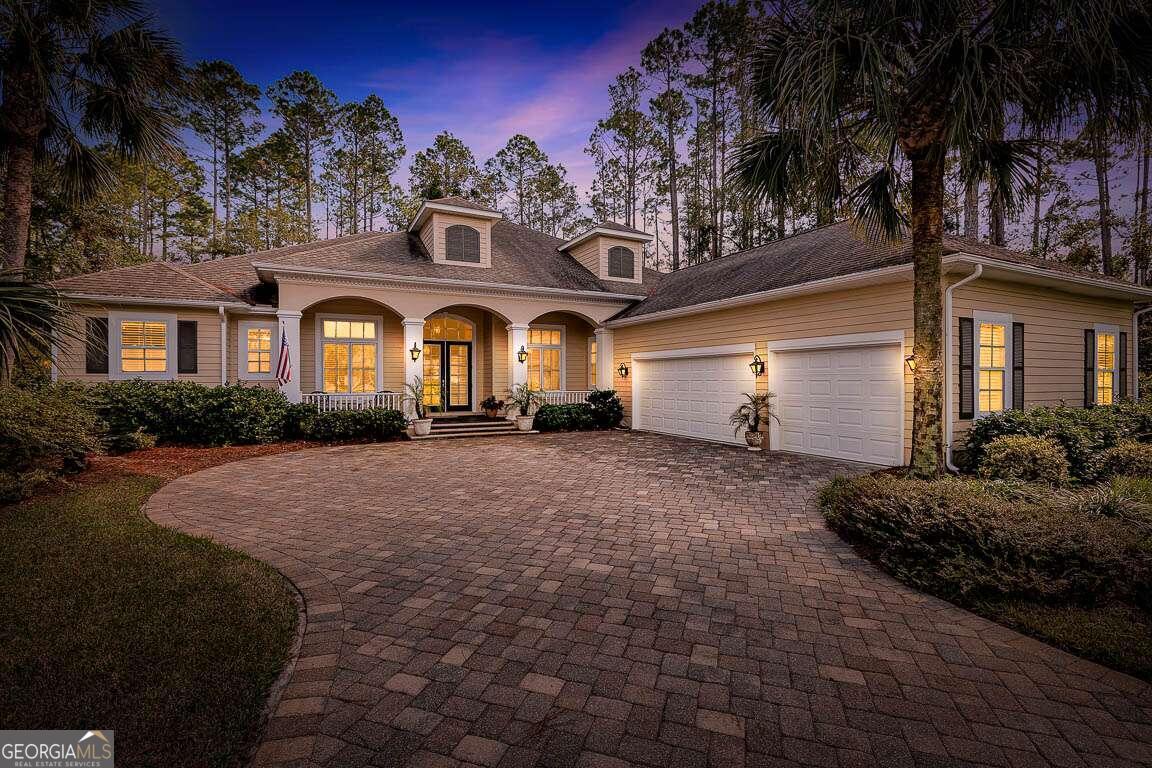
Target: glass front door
{"type": "Point", "coordinates": [448, 375]}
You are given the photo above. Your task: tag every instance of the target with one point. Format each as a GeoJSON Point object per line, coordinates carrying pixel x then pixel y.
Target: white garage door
{"type": "Point", "coordinates": [846, 403]}
{"type": "Point", "coordinates": [691, 396]}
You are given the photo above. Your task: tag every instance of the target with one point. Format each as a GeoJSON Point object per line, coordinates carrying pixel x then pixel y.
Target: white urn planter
{"type": "Point", "coordinates": [421, 427]}
{"type": "Point", "coordinates": [755, 440]}
{"type": "Point", "coordinates": [524, 423]}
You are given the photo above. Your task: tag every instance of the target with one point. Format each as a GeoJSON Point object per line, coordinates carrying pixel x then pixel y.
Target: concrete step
{"type": "Point", "coordinates": [446, 434]}
{"type": "Point", "coordinates": [443, 424]}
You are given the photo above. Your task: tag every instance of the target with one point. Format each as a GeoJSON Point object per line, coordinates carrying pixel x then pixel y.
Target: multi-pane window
{"type": "Point", "coordinates": [592, 362]}
{"type": "Point", "coordinates": [993, 367]}
{"type": "Point", "coordinates": [621, 262]}
{"type": "Point", "coordinates": [447, 328]}
{"type": "Point", "coordinates": [259, 346]}
{"type": "Point", "coordinates": [1105, 368]}
{"type": "Point", "coordinates": [349, 355]}
{"type": "Point", "coordinates": [143, 346]}
{"type": "Point", "coordinates": [544, 345]}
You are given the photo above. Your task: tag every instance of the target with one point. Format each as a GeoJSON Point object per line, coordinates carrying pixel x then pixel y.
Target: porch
{"type": "Point", "coordinates": [356, 353]}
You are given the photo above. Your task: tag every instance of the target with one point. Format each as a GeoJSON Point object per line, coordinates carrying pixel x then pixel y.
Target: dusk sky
{"type": "Point", "coordinates": [484, 71]}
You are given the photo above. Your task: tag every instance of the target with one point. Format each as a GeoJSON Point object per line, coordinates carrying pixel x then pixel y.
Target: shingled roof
{"type": "Point", "coordinates": [520, 256]}
{"type": "Point", "coordinates": [830, 251]}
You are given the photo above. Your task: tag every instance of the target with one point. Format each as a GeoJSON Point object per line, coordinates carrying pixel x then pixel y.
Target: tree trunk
{"type": "Point", "coordinates": [996, 234]}
{"type": "Point", "coordinates": [673, 202]}
{"type": "Point", "coordinates": [972, 210]}
{"type": "Point", "coordinates": [927, 249]}
{"type": "Point", "coordinates": [17, 201]}
{"type": "Point", "coordinates": [1100, 159]}
{"type": "Point", "coordinates": [308, 185]}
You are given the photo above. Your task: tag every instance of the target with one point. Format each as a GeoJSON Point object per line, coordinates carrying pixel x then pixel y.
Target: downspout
{"type": "Point", "coordinates": [1136, 346]}
{"type": "Point", "coordinates": [223, 346]}
{"type": "Point", "coordinates": [948, 364]}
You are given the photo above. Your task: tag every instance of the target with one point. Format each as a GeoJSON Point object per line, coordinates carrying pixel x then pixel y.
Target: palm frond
{"type": "Point", "coordinates": [875, 205]}
{"type": "Point", "coordinates": [1007, 165]}
{"type": "Point", "coordinates": [770, 166]}
{"type": "Point", "coordinates": [32, 317]}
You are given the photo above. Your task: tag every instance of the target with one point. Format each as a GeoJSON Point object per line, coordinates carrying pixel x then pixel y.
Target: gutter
{"type": "Point", "coordinates": [136, 300]}
{"type": "Point", "coordinates": [948, 364]}
{"type": "Point", "coordinates": [441, 281]}
{"type": "Point", "coordinates": [223, 346]}
{"type": "Point", "coordinates": [1051, 274]}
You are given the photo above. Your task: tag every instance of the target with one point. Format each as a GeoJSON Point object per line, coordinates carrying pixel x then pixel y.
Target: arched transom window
{"type": "Point", "coordinates": [621, 262]}
{"type": "Point", "coordinates": [447, 328]}
{"type": "Point", "coordinates": [462, 243]}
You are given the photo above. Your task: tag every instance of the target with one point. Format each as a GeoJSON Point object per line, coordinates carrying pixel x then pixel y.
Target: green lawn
{"type": "Point", "coordinates": [113, 622]}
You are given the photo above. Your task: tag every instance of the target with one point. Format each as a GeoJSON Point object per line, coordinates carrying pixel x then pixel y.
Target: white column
{"type": "Point", "coordinates": [517, 338]}
{"type": "Point", "coordinates": [289, 322]}
{"type": "Point", "coordinates": [605, 364]}
{"type": "Point", "coordinates": [413, 369]}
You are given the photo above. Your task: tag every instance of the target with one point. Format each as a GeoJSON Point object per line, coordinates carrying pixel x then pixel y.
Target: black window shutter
{"type": "Point", "coordinates": [1089, 367]}
{"type": "Point", "coordinates": [1123, 361]}
{"type": "Point", "coordinates": [1018, 366]}
{"type": "Point", "coordinates": [96, 345]}
{"type": "Point", "coordinates": [186, 352]}
{"type": "Point", "coordinates": [967, 360]}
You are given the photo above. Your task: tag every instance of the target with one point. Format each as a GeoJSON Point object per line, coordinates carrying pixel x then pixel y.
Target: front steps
{"type": "Point", "coordinates": [449, 427]}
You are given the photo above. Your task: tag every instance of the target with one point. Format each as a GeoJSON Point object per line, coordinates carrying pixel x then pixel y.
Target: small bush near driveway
{"type": "Point", "coordinates": [367, 425]}
{"type": "Point", "coordinates": [968, 540]}
{"type": "Point", "coordinates": [43, 432]}
{"type": "Point", "coordinates": [1127, 458]}
{"type": "Point", "coordinates": [171, 640]}
{"type": "Point", "coordinates": [603, 410]}
{"type": "Point", "coordinates": [1021, 457]}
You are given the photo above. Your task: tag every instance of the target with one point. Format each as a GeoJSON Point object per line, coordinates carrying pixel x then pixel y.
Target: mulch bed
{"type": "Point", "coordinates": [170, 462]}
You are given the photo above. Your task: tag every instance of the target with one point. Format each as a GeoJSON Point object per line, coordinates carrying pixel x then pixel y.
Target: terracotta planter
{"type": "Point", "coordinates": [421, 427]}
{"type": "Point", "coordinates": [524, 423]}
{"type": "Point", "coordinates": [755, 440]}
{"type": "Point", "coordinates": [491, 412]}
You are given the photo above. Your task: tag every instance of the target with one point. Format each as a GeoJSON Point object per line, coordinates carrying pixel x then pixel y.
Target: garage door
{"type": "Point", "coordinates": [691, 396]}
{"type": "Point", "coordinates": [846, 403]}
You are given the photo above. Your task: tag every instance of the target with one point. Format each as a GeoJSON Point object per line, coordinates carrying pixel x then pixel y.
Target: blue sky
{"type": "Point", "coordinates": [484, 71]}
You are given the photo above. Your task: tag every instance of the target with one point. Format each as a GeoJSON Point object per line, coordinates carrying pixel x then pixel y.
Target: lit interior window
{"type": "Point", "coordinates": [143, 346]}
{"type": "Point", "coordinates": [259, 350]}
{"type": "Point", "coordinates": [544, 358]}
{"type": "Point", "coordinates": [1105, 368]}
{"type": "Point", "coordinates": [349, 356]}
{"type": "Point", "coordinates": [992, 367]}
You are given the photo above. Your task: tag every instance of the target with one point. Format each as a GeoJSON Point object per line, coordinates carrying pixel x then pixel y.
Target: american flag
{"type": "Point", "coordinates": [284, 367]}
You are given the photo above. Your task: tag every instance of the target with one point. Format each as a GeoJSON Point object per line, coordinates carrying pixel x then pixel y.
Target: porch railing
{"type": "Point", "coordinates": [566, 396]}
{"type": "Point", "coordinates": [355, 402]}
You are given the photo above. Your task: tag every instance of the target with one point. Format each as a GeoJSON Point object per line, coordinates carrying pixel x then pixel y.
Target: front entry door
{"type": "Point", "coordinates": [448, 375]}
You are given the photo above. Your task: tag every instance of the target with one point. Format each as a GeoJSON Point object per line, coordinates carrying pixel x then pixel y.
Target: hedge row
{"type": "Point", "coordinates": [603, 410]}
{"type": "Point", "coordinates": [967, 540]}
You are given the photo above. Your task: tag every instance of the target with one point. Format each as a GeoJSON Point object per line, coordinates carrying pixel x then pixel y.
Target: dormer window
{"type": "Point", "coordinates": [621, 262]}
{"type": "Point", "coordinates": [462, 243]}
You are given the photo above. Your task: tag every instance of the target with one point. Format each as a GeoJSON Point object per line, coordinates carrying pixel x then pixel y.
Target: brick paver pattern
{"type": "Point", "coordinates": [601, 600]}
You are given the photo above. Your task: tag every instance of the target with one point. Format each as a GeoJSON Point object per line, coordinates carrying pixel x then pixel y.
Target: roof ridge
{"type": "Point", "coordinates": [226, 291]}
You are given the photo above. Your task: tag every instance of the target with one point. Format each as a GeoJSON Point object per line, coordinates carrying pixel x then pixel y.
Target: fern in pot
{"type": "Point", "coordinates": [421, 425]}
{"type": "Point", "coordinates": [750, 415]}
{"type": "Point", "coordinates": [524, 400]}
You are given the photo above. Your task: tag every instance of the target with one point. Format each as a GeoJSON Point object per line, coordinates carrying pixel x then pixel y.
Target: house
{"type": "Point", "coordinates": [475, 304]}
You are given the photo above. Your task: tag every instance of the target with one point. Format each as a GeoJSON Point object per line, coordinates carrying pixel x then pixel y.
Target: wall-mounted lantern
{"type": "Point", "coordinates": [414, 352]}
{"type": "Point", "coordinates": [757, 366]}
{"type": "Point", "coordinates": [910, 361]}
{"type": "Point", "coordinates": [522, 355]}
{"type": "Point", "coordinates": [622, 370]}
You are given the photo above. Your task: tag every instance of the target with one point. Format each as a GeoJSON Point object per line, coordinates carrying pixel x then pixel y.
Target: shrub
{"type": "Point", "coordinates": [607, 410]}
{"type": "Point", "coordinates": [1127, 458]}
{"type": "Point", "coordinates": [1084, 433]}
{"type": "Point", "coordinates": [296, 418]}
{"type": "Point", "coordinates": [129, 441]}
{"type": "Point", "coordinates": [967, 540]}
{"type": "Point", "coordinates": [43, 431]}
{"type": "Point", "coordinates": [562, 418]}
{"type": "Point", "coordinates": [369, 425]}
{"type": "Point", "coordinates": [186, 413]}
{"type": "Point", "coordinates": [1020, 457]}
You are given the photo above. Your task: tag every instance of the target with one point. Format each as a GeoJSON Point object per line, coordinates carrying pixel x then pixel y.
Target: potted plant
{"type": "Point", "coordinates": [420, 425]}
{"type": "Point", "coordinates": [750, 415]}
{"type": "Point", "coordinates": [491, 406]}
{"type": "Point", "coordinates": [522, 399]}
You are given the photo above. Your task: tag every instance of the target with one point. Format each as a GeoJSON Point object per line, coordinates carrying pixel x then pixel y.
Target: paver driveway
{"type": "Point", "coordinates": [612, 599]}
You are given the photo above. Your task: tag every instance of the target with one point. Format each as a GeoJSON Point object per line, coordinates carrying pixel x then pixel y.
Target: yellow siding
{"type": "Point", "coordinates": [70, 353]}
{"type": "Point", "coordinates": [869, 309]}
{"type": "Point", "coordinates": [1054, 324]}
{"type": "Point", "coordinates": [593, 254]}
{"type": "Point", "coordinates": [435, 232]}
{"type": "Point", "coordinates": [588, 254]}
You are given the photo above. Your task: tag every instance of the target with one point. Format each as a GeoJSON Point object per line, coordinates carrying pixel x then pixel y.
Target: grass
{"type": "Point", "coordinates": [114, 622]}
{"type": "Point", "coordinates": [1117, 636]}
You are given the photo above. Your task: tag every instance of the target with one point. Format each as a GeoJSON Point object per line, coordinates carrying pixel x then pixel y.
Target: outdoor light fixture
{"type": "Point", "coordinates": [910, 361]}
{"type": "Point", "coordinates": [522, 355]}
{"type": "Point", "coordinates": [757, 366]}
{"type": "Point", "coordinates": [415, 352]}
{"type": "Point", "coordinates": [623, 370]}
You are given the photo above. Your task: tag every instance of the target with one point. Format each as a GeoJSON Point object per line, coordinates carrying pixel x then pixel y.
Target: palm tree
{"type": "Point", "coordinates": [72, 72]}
{"type": "Point", "coordinates": [30, 315]}
{"type": "Point", "coordinates": [920, 78]}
